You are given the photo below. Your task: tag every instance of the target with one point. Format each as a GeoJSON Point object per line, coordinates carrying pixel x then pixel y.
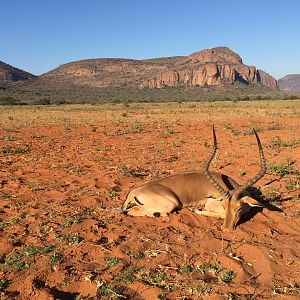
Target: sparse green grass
{"type": "Point", "coordinates": [274, 126]}
{"type": "Point", "coordinates": [6, 196]}
{"type": "Point", "coordinates": [112, 261]}
{"type": "Point", "coordinates": [8, 138]}
{"type": "Point", "coordinates": [119, 131]}
{"type": "Point", "coordinates": [132, 172]}
{"type": "Point", "coordinates": [166, 131]}
{"type": "Point", "coordinates": [283, 168]}
{"type": "Point", "coordinates": [278, 144]}
{"type": "Point", "coordinates": [70, 222]}
{"type": "Point", "coordinates": [104, 290]}
{"type": "Point", "coordinates": [71, 239]}
{"type": "Point", "coordinates": [139, 255]}
{"type": "Point", "coordinates": [14, 151]}
{"type": "Point", "coordinates": [227, 126]}
{"type": "Point", "coordinates": [113, 194]}
{"type": "Point", "coordinates": [128, 276]}
{"type": "Point", "coordinates": [65, 281]}
{"type": "Point", "coordinates": [19, 203]}
{"type": "Point", "coordinates": [136, 127]}
{"type": "Point", "coordinates": [19, 259]}
{"type": "Point", "coordinates": [247, 296]}
{"type": "Point", "coordinates": [5, 224]}
{"type": "Point", "coordinates": [3, 284]}
{"type": "Point", "coordinates": [292, 185]}
{"type": "Point", "coordinates": [178, 143]}
{"type": "Point", "coordinates": [55, 258]}
{"type": "Point", "coordinates": [16, 220]}
{"type": "Point", "coordinates": [227, 277]}
{"type": "Point", "coordinates": [186, 269]}
{"type": "Point", "coordinates": [208, 267]}
{"type": "Point", "coordinates": [256, 128]}
{"type": "Point", "coordinates": [292, 289]}
{"type": "Point", "coordinates": [155, 277]}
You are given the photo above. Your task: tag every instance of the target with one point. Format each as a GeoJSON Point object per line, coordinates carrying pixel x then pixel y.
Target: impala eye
{"type": "Point", "coordinates": [239, 209]}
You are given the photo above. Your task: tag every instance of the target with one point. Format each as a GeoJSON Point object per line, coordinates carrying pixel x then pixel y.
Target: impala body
{"type": "Point", "coordinates": [221, 196]}
{"type": "Point", "coordinates": [182, 190]}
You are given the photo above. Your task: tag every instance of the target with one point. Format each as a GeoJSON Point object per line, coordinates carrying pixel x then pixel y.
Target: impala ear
{"type": "Point", "coordinates": [252, 202]}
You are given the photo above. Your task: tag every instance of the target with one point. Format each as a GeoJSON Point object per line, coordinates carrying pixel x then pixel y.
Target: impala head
{"type": "Point", "coordinates": [237, 202]}
{"type": "Point", "coordinates": [234, 209]}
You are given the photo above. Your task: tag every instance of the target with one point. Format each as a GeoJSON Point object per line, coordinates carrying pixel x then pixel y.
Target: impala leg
{"type": "Point", "coordinates": [208, 213]}
{"type": "Point", "coordinates": [136, 211]}
{"type": "Point", "coordinates": [213, 208]}
{"type": "Point", "coordinates": [139, 212]}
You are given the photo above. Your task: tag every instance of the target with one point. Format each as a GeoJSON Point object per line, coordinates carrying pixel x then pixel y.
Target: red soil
{"type": "Point", "coordinates": [60, 236]}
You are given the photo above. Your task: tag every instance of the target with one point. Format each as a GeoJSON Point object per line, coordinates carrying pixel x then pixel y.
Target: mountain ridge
{"type": "Point", "coordinates": [208, 75]}
{"type": "Point", "coordinates": [216, 66]}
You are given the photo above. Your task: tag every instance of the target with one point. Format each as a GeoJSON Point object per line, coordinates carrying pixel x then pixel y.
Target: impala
{"type": "Point", "coordinates": [221, 196]}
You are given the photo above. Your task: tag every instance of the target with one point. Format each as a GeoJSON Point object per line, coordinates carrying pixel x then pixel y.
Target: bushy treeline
{"type": "Point", "coordinates": [62, 94]}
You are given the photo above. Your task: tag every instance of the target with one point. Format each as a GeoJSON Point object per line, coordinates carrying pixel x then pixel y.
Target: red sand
{"type": "Point", "coordinates": [60, 183]}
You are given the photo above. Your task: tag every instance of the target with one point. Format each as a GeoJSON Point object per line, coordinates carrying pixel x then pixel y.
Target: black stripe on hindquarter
{"type": "Point", "coordinates": [137, 201]}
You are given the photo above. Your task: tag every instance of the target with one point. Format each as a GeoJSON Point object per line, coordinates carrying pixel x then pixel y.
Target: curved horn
{"type": "Point", "coordinates": [259, 175]}
{"type": "Point", "coordinates": [219, 188]}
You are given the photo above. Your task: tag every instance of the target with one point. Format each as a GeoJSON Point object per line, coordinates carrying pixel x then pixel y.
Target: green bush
{"type": "Point", "coordinates": [7, 100]}
{"type": "Point", "coordinates": [43, 101]}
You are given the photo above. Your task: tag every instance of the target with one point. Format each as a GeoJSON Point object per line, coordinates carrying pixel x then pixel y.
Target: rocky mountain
{"type": "Point", "coordinates": [210, 67]}
{"type": "Point", "coordinates": [290, 83]}
{"type": "Point", "coordinates": [10, 74]}
{"type": "Point", "coordinates": [207, 75]}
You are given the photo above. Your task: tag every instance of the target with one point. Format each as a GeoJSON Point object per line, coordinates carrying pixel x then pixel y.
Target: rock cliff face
{"type": "Point", "coordinates": [10, 74]}
{"type": "Point", "coordinates": [290, 83]}
{"type": "Point", "coordinates": [216, 66]}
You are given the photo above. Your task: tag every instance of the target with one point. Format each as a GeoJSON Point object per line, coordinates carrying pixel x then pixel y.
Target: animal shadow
{"type": "Point", "coordinates": [257, 195]}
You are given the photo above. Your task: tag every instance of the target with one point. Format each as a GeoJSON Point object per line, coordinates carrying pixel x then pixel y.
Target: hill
{"type": "Point", "coordinates": [210, 74]}
{"type": "Point", "coordinates": [10, 74]}
{"type": "Point", "coordinates": [290, 83]}
{"type": "Point", "coordinates": [211, 67]}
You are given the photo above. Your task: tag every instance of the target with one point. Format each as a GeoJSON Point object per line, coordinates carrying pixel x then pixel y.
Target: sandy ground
{"type": "Point", "coordinates": [65, 169]}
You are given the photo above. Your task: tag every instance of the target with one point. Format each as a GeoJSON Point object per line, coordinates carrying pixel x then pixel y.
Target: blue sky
{"type": "Point", "coordinates": [39, 35]}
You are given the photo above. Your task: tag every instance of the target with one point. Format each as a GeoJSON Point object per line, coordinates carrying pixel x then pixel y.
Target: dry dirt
{"type": "Point", "coordinates": [65, 169]}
